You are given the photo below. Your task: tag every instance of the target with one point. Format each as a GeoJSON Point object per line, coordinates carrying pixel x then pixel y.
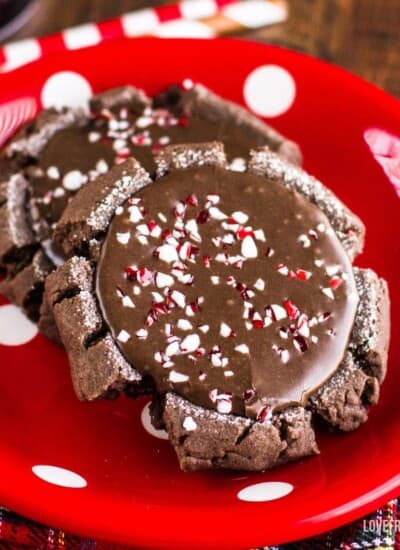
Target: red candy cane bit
{"type": "Point", "coordinates": [265, 413]}
{"type": "Point", "coordinates": [300, 343]}
{"type": "Point", "coordinates": [335, 282]}
{"type": "Point", "coordinates": [131, 273]}
{"type": "Point", "coordinates": [303, 275]}
{"type": "Point", "coordinates": [192, 200]}
{"type": "Point", "coordinates": [241, 232]}
{"type": "Point", "coordinates": [242, 289]}
{"type": "Point", "coordinates": [203, 216]}
{"type": "Point", "coordinates": [207, 261]}
{"type": "Point", "coordinates": [152, 225]}
{"type": "Point", "coordinates": [291, 309]}
{"type": "Point", "coordinates": [248, 394]}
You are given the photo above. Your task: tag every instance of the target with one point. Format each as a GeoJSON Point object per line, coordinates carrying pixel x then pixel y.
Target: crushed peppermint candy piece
{"type": "Point", "coordinates": [242, 348]}
{"type": "Point", "coordinates": [73, 180]}
{"type": "Point", "coordinates": [177, 377]}
{"type": "Point", "coordinates": [123, 238]}
{"type": "Point", "coordinates": [53, 173]}
{"type": "Point", "coordinates": [123, 336]}
{"type": "Point", "coordinates": [127, 302]}
{"type": "Point", "coordinates": [249, 248]}
{"type": "Point", "coordinates": [190, 343]}
{"type": "Point", "coordinates": [184, 324]}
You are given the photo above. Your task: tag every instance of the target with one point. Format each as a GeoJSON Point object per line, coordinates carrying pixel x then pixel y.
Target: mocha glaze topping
{"type": "Point", "coordinates": [76, 155]}
{"type": "Point", "coordinates": [228, 289]}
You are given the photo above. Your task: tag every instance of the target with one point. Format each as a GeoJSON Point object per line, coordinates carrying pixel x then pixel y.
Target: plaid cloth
{"type": "Point", "coordinates": [378, 530]}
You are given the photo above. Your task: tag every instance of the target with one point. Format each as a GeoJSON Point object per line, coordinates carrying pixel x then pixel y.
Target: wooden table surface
{"type": "Point", "coordinates": [360, 35]}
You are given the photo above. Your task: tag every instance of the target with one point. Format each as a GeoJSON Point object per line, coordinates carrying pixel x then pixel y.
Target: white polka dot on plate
{"type": "Point", "coordinates": [15, 328]}
{"type": "Point", "coordinates": [66, 89]}
{"type": "Point", "coordinates": [269, 90]}
{"type": "Point", "coordinates": [59, 476]}
{"type": "Point", "coordinates": [264, 492]}
{"type": "Point", "coordinates": [148, 426]}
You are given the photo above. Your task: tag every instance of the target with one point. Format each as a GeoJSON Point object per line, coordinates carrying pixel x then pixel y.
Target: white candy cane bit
{"type": "Point", "coordinates": [135, 215]}
{"type": "Point", "coordinates": [228, 238]}
{"type": "Point", "coordinates": [123, 238]}
{"type": "Point", "coordinates": [259, 284]}
{"type": "Point", "coordinates": [204, 328]}
{"type": "Point", "coordinates": [179, 298]}
{"type": "Point", "coordinates": [127, 302]}
{"type": "Point", "coordinates": [167, 253]}
{"type": "Point", "coordinates": [240, 217]}
{"type": "Point", "coordinates": [259, 235]}
{"type": "Point", "coordinates": [304, 241]}
{"type": "Point", "coordinates": [222, 258]}
{"type": "Point", "coordinates": [217, 214]}
{"type": "Point", "coordinates": [283, 270]}
{"type": "Point", "coordinates": [53, 173]}
{"type": "Point", "coordinates": [101, 166]}
{"type": "Point", "coordinates": [328, 292]}
{"type": "Point", "coordinates": [144, 121]}
{"type": "Point", "coordinates": [73, 180]}
{"type": "Point", "coordinates": [249, 248]}
{"type": "Point", "coordinates": [172, 348]}
{"type": "Point", "coordinates": [119, 210]}
{"type": "Point", "coordinates": [137, 290]}
{"type": "Point", "coordinates": [190, 343]}
{"type": "Point", "coordinates": [163, 280]}
{"type": "Point", "coordinates": [192, 227]}
{"type": "Point", "coordinates": [157, 297]}
{"type": "Point", "coordinates": [189, 311]}
{"type": "Point", "coordinates": [321, 227]}
{"type": "Point", "coordinates": [215, 279]}
{"type": "Point", "coordinates": [93, 137]}
{"type": "Point", "coordinates": [142, 333]}
{"type": "Point", "coordinates": [225, 330]}
{"type": "Point", "coordinates": [228, 373]}
{"type": "Point", "coordinates": [242, 348]}
{"type": "Point", "coordinates": [279, 312]}
{"type": "Point", "coordinates": [319, 263]}
{"type": "Point", "coordinates": [216, 360]}
{"type": "Point", "coordinates": [189, 424]}
{"type": "Point", "coordinates": [124, 336]}
{"type": "Point", "coordinates": [142, 239]}
{"type": "Point", "coordinates": [177, 377]}
{"type": "Point", "coordinates": [332, 270]}
{"type": "Point", "coordinates": [285, 356]}
{"type": "Point", "coordinates": [213, 198]}
{"type": "Point", "coordinates": [162, 217]}
{"type": "Point", "coordinates": [184, 324]}
{"type": "Point", "coordinates": [143, 229]}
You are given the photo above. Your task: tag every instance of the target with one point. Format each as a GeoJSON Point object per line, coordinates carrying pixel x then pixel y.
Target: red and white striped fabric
{"type": "Point", "coordinates": [189, 19]}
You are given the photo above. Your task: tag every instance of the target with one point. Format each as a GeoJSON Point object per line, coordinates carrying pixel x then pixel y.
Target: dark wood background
{"type": "Point", "coordinates": [360, 35]}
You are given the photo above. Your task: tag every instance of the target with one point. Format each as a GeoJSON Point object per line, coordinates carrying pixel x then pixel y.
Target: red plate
{"type": "Point", "coordinates": [134, 491]}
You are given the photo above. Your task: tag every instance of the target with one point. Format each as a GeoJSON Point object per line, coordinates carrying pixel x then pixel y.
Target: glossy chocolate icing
{"type": "Point", "coordinates": [76, 155]}
{"type": "Point", "coordinates": [227, 288]}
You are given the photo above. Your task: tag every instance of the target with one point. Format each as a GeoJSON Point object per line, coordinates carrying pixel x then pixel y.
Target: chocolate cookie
{"type": "Point", "coordinates": [59, 152]}
{"type": "Point", "coordinates": [230, 295]}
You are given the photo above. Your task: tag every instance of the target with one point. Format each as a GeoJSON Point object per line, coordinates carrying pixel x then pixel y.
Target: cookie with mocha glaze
{"type": "Point", "coordinates": [231, 296]}
{"type": "Point", "coordinates": [52, 157]}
